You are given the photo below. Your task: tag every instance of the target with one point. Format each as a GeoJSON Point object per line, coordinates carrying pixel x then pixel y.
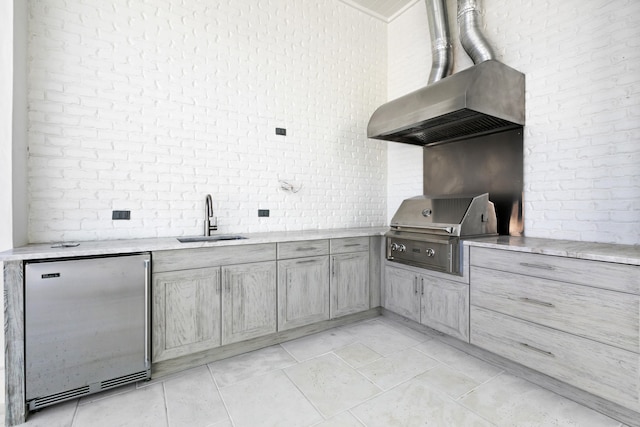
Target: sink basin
{"type": "Point", "coordinates": [216, 238]}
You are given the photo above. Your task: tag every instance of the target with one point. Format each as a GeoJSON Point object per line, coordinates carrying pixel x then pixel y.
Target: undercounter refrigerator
{"type": "Point", "coordinates": [86, 326]}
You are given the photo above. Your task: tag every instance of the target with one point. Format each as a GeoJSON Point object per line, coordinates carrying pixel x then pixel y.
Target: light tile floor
{"type": "Point", "coordinates": [372, 373]}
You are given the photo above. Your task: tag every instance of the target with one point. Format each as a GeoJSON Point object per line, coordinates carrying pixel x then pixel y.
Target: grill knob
{"type": "Point", "coordinates": [394, 247]}
{"type": "Point", "coordinates": [402, 248]}
{"type": "Point", "coordinates": [430, 252]}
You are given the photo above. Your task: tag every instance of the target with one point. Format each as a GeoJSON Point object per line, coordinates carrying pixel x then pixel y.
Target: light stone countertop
{"type": "Point", "coordinates": [110, 247]}
{"type": "Point", "coordinates": [621, 254]}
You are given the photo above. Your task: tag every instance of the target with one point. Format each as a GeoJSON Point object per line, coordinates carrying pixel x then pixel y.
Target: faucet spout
{"type": "Point", "coordinates": [210, 222]}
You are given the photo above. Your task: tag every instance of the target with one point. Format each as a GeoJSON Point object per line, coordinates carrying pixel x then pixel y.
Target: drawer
{"type": "Point", "coordinates": [305, 248]}
{"type": "Point", "coordinates": [184, 259]}
{"type": "Point", "coordinates": [606, 275]}
{"type": "Point", "coordinates": [600, 369]}
{"type": "Point", "coordinates": [349, 244]}
{"type": "Point", "coordinates": [606, 316]}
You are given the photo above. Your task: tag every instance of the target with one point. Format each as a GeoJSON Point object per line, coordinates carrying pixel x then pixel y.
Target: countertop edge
{"type": "Point", "coordinates": [593, 251]}
{"type": "Point", "coordinates": [128, 246]}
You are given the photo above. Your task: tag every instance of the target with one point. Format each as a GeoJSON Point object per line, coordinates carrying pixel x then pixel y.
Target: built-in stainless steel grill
{"type": "Point", "coordinates": [426, 231]}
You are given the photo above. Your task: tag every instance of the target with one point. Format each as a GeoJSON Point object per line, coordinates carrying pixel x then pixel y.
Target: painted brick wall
{"type": "Point", "coordinates": [150, 105]}
{"type": "Point", "coordinates": [582, 135]}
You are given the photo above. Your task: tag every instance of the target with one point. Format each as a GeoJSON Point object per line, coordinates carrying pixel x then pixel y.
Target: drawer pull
{"type": "Point", "coordinates": [348, 245]}
{"type": "Point", "coordinates": [540, 266]}
{"type": "Point", "coordinates": [307, 261]}
{"type": "Point", "coordinates": [530, 347]}
{"type": "Point", "coordinates": [306, 249]}
{"type": "Point", "coordinates": [536, 302]}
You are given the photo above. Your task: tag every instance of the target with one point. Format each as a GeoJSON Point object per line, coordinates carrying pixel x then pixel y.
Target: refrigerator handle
{"type": "Point", "coordinates": [147, 292]}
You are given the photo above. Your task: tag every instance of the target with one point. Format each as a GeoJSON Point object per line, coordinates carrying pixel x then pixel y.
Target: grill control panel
{"type": "Point", "coordinates": [438, 255]}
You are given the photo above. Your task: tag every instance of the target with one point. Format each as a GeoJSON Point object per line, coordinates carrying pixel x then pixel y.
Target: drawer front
{"type": "Point", "coordinates": [349, 244]}
{"type": "Point", "coordinates": [302, 249]}
{"type": "Point", "coordinates": [606, 316]}
{"type": "Point", "coordinates": [606, 275]}
{"type": "Point", "coordinates": [600, 369]}
{"type": "Point", "coordinates": [184, 259]}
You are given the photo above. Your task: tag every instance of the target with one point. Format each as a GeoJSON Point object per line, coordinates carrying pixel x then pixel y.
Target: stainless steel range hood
{"type": "Point", "coordinates": [485, 98]}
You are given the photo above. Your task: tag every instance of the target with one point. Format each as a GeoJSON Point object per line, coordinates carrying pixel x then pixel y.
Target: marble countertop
{"type": "Point", "coordinates": [110, 247]}
{"type": "Point", "coordinates": [622, 254]}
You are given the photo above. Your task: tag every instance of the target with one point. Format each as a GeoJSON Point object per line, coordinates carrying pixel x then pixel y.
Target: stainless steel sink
{"type": "Point", "coordinates": [215, 238]}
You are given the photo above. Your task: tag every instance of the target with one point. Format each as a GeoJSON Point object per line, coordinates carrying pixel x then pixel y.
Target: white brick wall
{"type": "Point", "coordinates": [582, 135]}
{"type": "Point", "coordinates": [148, 106]}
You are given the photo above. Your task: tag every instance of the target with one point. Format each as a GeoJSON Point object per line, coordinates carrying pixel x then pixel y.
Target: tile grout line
{"type": "Point", "coordinates": [224, 403]}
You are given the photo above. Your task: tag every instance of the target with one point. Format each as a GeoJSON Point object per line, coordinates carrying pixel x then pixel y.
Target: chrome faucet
{"type": "Point", "coordinates": [210, 221]}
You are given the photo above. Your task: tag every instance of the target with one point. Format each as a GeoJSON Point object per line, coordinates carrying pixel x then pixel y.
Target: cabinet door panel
{"type": "Point", "coordinates": [601, 369]}
{"type": "Point", "coordinates": [303, 291]}
{"type": "Point", "coordinates": [401, 293]}
{"type": "Point", "coordinates": [248, 301]}
{"type": "Point", "coordinates": [445, 306]}
{"type": "Point", "coordinates": [349, 283]}
{"type": "Point", "coordinates": [186, 312]}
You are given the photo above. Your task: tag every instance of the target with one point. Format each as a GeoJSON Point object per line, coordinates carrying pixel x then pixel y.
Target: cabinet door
{"type": "Point", "coordinates": [445, 306]}
{"type": "Point", "coordinates": [186, 312]}
{"type": "Point", "coordinates": [401, 293]}
{"type": "Point", "coordinates": [349, 283]}
{"type": "Point", "coordinates": [248, 301]}
{"type": "Point", "coordinates": [303, 291]}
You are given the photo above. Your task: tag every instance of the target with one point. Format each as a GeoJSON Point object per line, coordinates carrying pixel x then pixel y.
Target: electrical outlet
{"type": "Point", "coordinates": [263, 212]}
{"type": "Point", "coordinates": [281, 131]}
{"type": "Point", "coordinates": [121, 215]}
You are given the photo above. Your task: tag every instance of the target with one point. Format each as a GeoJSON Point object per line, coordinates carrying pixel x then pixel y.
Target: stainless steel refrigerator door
{"type": "Point", "coordinates": [84, 322]}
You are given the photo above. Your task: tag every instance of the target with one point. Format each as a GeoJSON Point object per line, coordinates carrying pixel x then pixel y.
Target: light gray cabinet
{"type": "Point", "coordinates": [186, 312]}
{"type": "Point", "coordinates": [303, 291]}
{"type": "Point", "coordinates": [349, 283]}
{"type": "Point", "coordinates": [349, 289]}
{"type": "Point", "coordinates": [248, 301]}
{"type": "Point", "coordinates": [575, 320]}
{"type": "Point", "coordinates": [438, 303]}
{"type": "Point", "coordinates": [200, 303]}
{"type": "Point", "coordinates": [401, 293]}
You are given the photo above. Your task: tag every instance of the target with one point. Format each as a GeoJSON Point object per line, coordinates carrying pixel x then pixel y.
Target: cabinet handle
{"type": "Point", "coordinates": [218, 288]}
{"type": "Point", "coordinates": [415, 285]}
{"type": "Point", "coordinates": [540, 266]}
{"type": "Point", "coordinates": [422, 286]}
{"type": "Point", "coordinates": [530, 347]}
{"type": "Point", "coordinates": [333, 266]}
{"type": "Point", "coordinates": [536, 302]}
{"type": "Point", "coordinates": [147, 326]}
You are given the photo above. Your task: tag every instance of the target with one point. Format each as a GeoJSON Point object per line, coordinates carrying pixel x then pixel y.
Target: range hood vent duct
{"type": "Point", "coordinates": [485, 98]}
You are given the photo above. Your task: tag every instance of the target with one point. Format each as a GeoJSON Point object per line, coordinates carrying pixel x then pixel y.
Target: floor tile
{"type": "Point", "coordinates": [397, 368]}
{"type": "Point", "coordinates": [380, 337]}
{"type": "Point", "coordinates": [142, 407]}
{"type": "Point", "coordinates": [268, 400]}
{"type": "Point", "coordinates": [330, 384]}
{"type": "Point", "coordinates": [357, 355]}
{"type": "Point", "coordinates": [510, 401]}
{"type": "Point", "coordinates": [193, 400]}
{"type": "Point", "coordinates": [414, 404]}
{"type": "Point", "coordinates": [404, 329]}
{"type": "Point", "coordinates": [318, 344]}
{"type": "Point", "coordinates": [60, 415]}
{"type": "Point", "coordinates": [449, 381]}
{"type": "Point", "coordinates": [473, 367]}
{"type": "Point", "coordinates": [234, 369]}
{"type": "Point", "coordinates": [344, 419]}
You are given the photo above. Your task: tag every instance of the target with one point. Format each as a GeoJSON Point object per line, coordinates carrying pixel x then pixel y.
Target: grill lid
{"type": "Point", "coordinates": [457, 215]}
